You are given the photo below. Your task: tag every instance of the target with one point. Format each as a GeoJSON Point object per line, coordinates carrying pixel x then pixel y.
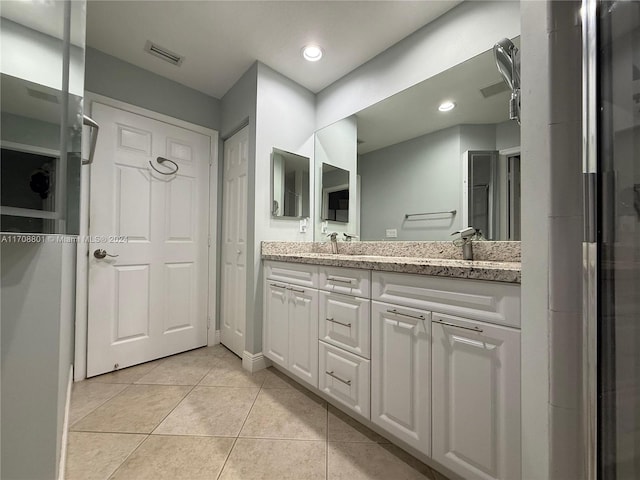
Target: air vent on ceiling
{"type": "Point", "coordinates": [494, 89]}
{"type": "Point", "coordinates": [163, 53]}
{"type": "Point", "coordinates": [47, 97]}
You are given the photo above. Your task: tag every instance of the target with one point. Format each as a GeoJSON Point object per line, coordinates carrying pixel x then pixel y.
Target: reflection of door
{"type": "Point", "coordinates": [234, 241]}
{"type": "Point", "coordinates": [150, 299]}
{"type": "Point", "coordinates": [513, 199]}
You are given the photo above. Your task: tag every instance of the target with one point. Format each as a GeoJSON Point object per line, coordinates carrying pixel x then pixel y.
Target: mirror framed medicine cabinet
{"type": "Point", "coordinates": [290, 185]}
{"type": "Point", "coordinates": [411, 160]}
{"type": "Point", "coordinates": [335, 194]}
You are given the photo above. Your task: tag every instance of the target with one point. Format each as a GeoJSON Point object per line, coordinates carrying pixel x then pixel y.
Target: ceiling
{"type": "Point", "coordinates": [414, 111]}
{"type": "Point", "coordinates": [220, 40]}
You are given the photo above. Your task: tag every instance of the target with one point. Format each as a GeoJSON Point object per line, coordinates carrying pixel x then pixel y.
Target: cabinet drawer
{"type": "Point", "coordinates": [491, 302]}
{"type": "Point", "coordinates": [345, 322]}
{"type": "Point", "coordinates": [295, 273]}
{"type": "Point", "coordinates": [350, 281]}
{"type": "Point", "coordinates": [345, 377]}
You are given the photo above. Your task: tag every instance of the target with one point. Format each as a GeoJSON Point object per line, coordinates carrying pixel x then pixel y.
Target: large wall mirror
{"type": "Point", "coordinates": [423, 173]}
{"type": "Point", "coordinates": [290, 185]}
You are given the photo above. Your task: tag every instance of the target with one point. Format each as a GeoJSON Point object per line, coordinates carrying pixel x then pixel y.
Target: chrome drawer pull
{"type": "Point", "coordinates": [333, 279]}
{"type": "Point", "coordinates": [473, 329]}
{"type": "Point", "coordinates": [277, 286]}
{"type": "Point", "coordinates": [395, 312]}
{"type": "Point", "coordinates": [346, 382]}
{"type": "Point", "coordinates": [339, 323]}
{"type": "Point", "coordinates": [295, 290]}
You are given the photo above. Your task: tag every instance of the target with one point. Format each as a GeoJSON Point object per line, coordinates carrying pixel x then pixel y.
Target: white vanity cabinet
{"type": "Point", "coordinates": [433, 361]}
{"type": "Point", "coordinates": [344, 337]}
{"type": "Point", "coordinates": [291, 319]}
{"type": "Point", "coordinates": [476, 398]}
{"type": "Point", "coordinates": [474, 369]}
{"type": "Point", "coordinates": [401, 373]}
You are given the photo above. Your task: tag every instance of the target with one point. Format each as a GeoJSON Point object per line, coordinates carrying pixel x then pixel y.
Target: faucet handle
{"type": "Point", "coordinates": [465, 232]}
{"type": "Point", "coordinates": [348, 237]}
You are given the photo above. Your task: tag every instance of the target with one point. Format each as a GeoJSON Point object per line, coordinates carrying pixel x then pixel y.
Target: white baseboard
{"type": "Point", "coordinates": [215, 340]}
{"type": "Point", "coordinates": [254, 361]}
{"type": "Point", "coordinates": [62, 464]}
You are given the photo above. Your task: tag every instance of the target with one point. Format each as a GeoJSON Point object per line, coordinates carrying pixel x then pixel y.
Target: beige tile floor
{"type": "Point", "coordinates": [199, 415]}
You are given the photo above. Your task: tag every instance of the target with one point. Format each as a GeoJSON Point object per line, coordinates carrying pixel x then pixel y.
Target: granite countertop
{"type": "Point", "coordinates": [496, 271]}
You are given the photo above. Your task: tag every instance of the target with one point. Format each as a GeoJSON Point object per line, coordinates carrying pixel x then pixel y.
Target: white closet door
{"type": "Point", "coordinates": [234, 242]}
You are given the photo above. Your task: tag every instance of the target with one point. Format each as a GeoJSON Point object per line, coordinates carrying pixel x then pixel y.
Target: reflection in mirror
{"type": "Point", "coordinates": [41, 97]}
{"type": "Point", "coordinates": [411, 158]}
{"type": "Point", "coordinates": [335, 194]}
{"type": "Point", "coordinates": [290, 185]}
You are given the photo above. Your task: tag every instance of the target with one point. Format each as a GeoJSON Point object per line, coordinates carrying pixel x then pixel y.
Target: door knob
{"type": "Point", "coordinates": [100, 254]}
{"type": "Point", "coordinates": [238, 252]}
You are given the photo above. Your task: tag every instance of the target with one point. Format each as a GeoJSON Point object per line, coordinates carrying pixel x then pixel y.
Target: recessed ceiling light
{"type": "Point", "coordinates": [312, 53]}
{"type": "Point", "coordinates": [446, 106]}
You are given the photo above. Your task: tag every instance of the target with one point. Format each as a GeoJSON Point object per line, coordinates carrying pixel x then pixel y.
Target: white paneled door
{"type": "Point", "coordinates": [234, 242]}
{"type": "Point", "coordinates": [148, 295]}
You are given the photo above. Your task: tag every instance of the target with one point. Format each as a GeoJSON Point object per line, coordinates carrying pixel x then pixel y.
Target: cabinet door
{"type": "Point", "coordinates": [476, 398]}
{"type": "Point", "coordinates": [345, 377]}
{"type": "Point", "coordinates": [276, 323]}
{"type": "Point", "coordinates": [303, 334]}
{"type": "Point", "coordinates": [345, 323]}
{"type": "Point", "coordinates": [401, 373]}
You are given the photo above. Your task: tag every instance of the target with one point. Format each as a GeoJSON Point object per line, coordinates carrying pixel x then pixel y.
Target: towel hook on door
{"type": "Point", "coordinates": [161, 160]}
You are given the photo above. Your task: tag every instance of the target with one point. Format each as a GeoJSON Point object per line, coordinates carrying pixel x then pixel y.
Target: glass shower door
{"type": "Point", "coordinates": [618, 330]}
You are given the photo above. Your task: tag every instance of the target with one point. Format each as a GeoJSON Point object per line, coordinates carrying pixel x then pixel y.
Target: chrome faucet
{"type": "Point", "coordinates": [466, 236]}
{"type": "Point", "coordinates": [334, 242]}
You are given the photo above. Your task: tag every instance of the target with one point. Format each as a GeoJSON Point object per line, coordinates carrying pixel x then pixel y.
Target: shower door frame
{"type": "Point", "coordinates": [590, 238]}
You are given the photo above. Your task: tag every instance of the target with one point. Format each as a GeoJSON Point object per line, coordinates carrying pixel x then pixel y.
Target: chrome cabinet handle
{"type": "Point", "coordinates": [95, 128]}
{"type": "Point", "coordinates": [333, 279]}
{"type": "Point", "coordinates": [295, 290]}
{"type": "Point", "coordinates": [473, 329]}
{"type": "Point", "coordinates": [396, 312]}
{"type": "Point", "coordinates": [277, 286]}
{"type": "Point", "coordinates": [339, 323]}
{"type": "Point", "coordinates": [331, 374]}
{"type": "Point", "coordinates": [161, 160]}
{"type": "Point", "coordinates": [100, 254]}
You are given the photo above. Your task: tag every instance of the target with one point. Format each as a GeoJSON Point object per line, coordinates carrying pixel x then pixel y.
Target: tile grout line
{"type": "Point", "coordinates": [97, 407]}
{"type": "Point", "coordinates": [127, 385]}
{"type": "Point", "coordinates": [127, 457]}
{"type": "Point", "coordinates": [240, 430]}
{"type": "Point", "coordinates": [147, 434]}
{"type": "Point", "coordinates": [181, 400]}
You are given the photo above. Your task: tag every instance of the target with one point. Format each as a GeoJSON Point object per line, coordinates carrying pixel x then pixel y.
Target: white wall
{"type": "Point", "coordinates": [285, 119]}
{"type": "Point", "coordinates": [280, 114]}
{"type": "Point", "coordinates": [36, 57]}
{"type": "Point", "coordinates": [115, 78]}
{"type": "Point", "coordinates": [465, 31]}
